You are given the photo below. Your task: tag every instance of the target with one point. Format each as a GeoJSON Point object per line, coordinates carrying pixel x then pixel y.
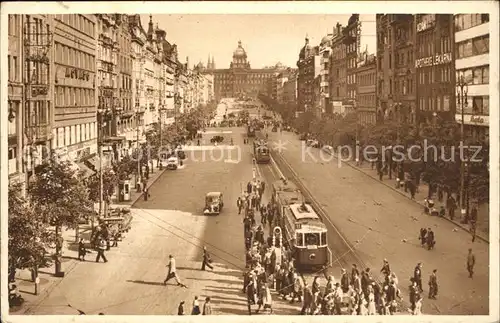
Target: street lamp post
{"type": "Point", "coordinates": [138, 178]}
{"type": "Point", "coordinates": [100, 115]}
{"type": "Point", "coordinates": [462, 89]}
{"type": "Point", "coordinates": [357, 132]}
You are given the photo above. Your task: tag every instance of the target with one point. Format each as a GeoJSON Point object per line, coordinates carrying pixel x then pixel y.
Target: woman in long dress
{"type": "Point", "coordinates": [268, 299]}
{"type": "Point", "coordinates": [196, 307]}
{"type": "Point", "coordinates": [372, 309]}
{"type": "Point", "coordinates": [418, 306]}
{"type": "Point", "coordinates": [363, 306]}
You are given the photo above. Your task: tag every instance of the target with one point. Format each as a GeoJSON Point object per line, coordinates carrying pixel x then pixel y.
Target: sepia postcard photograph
{"type": "Point", "coordinates": [251, 159]}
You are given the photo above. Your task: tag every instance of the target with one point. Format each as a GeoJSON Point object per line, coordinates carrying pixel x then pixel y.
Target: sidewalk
{"type": "Point", "coordinates": [48, 282]}
{"type": "Point", "coordinates": [482, 231]}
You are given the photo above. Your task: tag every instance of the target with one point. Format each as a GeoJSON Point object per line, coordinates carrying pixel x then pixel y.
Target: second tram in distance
{"type": "Point", "coordinates": [261, 151]}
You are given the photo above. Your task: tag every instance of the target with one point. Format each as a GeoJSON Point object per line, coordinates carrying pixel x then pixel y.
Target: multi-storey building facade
{"type": "Point", "coordinates": [138, 42]}
{"type": "Point", "coordinates": [150, 82]}
{"type": "Point", "coordinates": [109, 109]}
{"type": "Point", "coordinates": [325, 53]}
{"type": "Point", "coordinates": [352, 39]}
{"type": "Point", "coordinates": [290, 89]}
{"type": "Point", "coordinates": [126, 123]}
{"type": "Point", "coordinates": [472, 63]}
{"type": "Point", "coordinates": [77, 80]}
{"type": "Point", "coordinates": [240, 79]}
{"type": "Point", "coordinates": [435, 67]}
{"type": "Point", "coordinates": [16, 99]}
{"type": "Point", "coordinates": [338, 70]}
{"type": "Point", "coordinates": [396, 88]}
{"type": "Point", "coordinates": [208, 90]}
{"type": "Point", "coordinates": [309, 67]}
{"type": "Point", "coordinates": [37, 76]}
{"type": "Point", "coordinates": [75, 128]}
{"type": "Point", "coordinates": [366, 94]}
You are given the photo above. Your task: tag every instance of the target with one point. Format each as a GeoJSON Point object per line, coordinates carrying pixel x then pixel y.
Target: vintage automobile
{"type": "Point", "coordinates": [213, 203]}
{"type": "Point", "coordinates": [312, 143]}
{"type": "Point", "coordinates": [173, 163]}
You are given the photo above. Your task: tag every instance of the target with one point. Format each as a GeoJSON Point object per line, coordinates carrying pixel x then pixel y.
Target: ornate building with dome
{"type": "Point", "coordinates": [240, 79]}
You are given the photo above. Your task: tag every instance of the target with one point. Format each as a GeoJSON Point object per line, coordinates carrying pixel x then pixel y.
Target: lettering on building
{"type": "Point", "coordinates": [438, 59]}
{"type": "Point", "coordinates": [476, 119]}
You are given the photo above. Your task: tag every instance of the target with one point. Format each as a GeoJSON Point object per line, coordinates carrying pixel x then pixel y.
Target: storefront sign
{"type": "Point", "coordinates": [470, 119]}
{"type": "Point", "coordinates": [424, 25]}
{"type": "Point", "coordinates": [439, 59]}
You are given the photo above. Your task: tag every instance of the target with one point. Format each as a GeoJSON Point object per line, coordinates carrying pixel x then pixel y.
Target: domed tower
{"type": "Point", "coordinates": [304, 52]}
{"type": "Point", "coordinates": [239, 57]}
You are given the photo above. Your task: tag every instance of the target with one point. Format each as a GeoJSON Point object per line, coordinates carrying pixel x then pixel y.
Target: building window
{"type": "Point", "coordinates": [472, 47]}
{"type": "Point", "coordinates": [446, 103]}
{"type": "Point", "coordinates": [480, 105]}
{"type": "Point", "coordinates": [466, 21]}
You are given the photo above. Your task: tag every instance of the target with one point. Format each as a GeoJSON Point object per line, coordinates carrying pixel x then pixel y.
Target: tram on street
{"type": "Point", "coordinates": [261, 151]}
{"type": "Point", "coordinates": [250, 131]}
{"type": "Point", "coordinates": [303, 230]}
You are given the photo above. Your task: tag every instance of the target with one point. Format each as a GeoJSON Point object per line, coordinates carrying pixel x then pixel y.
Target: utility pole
{"type": "Point", "coordinates": [100, 116]}
{"type": "Point", "coordinates": [138, 178]}
{"type": "Point", "coordinates": [462, 89]}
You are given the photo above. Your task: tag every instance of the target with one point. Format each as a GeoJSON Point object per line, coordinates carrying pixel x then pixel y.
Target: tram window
{"type": "Point", "coordinates": [300, 240]}
{"type": "Point", "coordinates": [312, 239]}
{"type": "Point", "coordinates": [323, 238]}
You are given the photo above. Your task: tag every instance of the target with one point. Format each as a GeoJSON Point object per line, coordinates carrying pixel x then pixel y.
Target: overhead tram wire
{"type": "Point", "coordinates": [226, 260]}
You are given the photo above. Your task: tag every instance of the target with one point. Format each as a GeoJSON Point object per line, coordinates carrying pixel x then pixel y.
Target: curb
{"type": "Point", "coordinates": [46, 292]}
{"type": "Point", "coordinates": [405, 195]}
{"type": "Point", "coordinates": [69, 268]}
{"type": "Point", "coordinates": [134, 200]}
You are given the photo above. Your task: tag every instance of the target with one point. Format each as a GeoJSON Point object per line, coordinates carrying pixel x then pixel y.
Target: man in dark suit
{"type": "Point", "coordinates": [206, 260]}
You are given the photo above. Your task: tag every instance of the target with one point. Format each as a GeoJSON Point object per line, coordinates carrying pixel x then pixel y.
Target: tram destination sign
{"type": "Point", "coordinates": [438, 59]}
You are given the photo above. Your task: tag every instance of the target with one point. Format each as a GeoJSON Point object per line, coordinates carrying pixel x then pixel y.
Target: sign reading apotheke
{"type": "Point", "coordinates": [433, 60]}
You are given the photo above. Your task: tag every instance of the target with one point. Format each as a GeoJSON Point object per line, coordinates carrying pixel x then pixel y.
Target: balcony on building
{"type": "Point", "coordinates": [399, 19]}
{"type": "Point", "coordinates": [106, 39]}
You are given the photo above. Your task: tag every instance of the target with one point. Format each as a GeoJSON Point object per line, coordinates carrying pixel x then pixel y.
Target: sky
{"type": "Point", "coordinates": [267, 39]}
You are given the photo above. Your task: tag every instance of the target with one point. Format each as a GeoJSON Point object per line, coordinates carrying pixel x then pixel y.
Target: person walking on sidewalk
{"type": "Point", "coordinates": [417, 276]}
{"type": "Point", "coordinates": [471, 261]}
{"type": "Point", "coordinates": [207, 307]}
{"type": "Point", "coordinates": [433, 285]}
{"type": "Point", "coordinates": [239, 204]}
{"type": "Point", "coordinates": [100, 251]}
{"type": "Point", "coordinates": [146, 193]}
{"type": "Point", "coordinates": [180, 309]}
{"type": "Point", "coordinates": [206, 260]}
{"type": "Point", "coordinates": [451, 205]}
{"type": "Point", "coordinates": [172, 273]}
{"type": "Point", "coordinates": [82, 251]}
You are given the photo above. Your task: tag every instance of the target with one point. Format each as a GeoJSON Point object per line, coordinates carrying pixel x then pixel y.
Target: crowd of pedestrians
{"type": "Point", "coordinates": [270, 267]}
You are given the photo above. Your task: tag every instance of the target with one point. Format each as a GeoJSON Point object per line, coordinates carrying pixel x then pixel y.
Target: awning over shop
{"type": "Point", "coordinates": [115, 139]}
{"type": "Point", "coordinates": [95, 162]}
{"type": "Point", "coordinates": [86, 172]}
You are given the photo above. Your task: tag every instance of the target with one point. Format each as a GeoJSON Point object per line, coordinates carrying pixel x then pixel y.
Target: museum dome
{"type": "Point", "coordinates": [239, 51]}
